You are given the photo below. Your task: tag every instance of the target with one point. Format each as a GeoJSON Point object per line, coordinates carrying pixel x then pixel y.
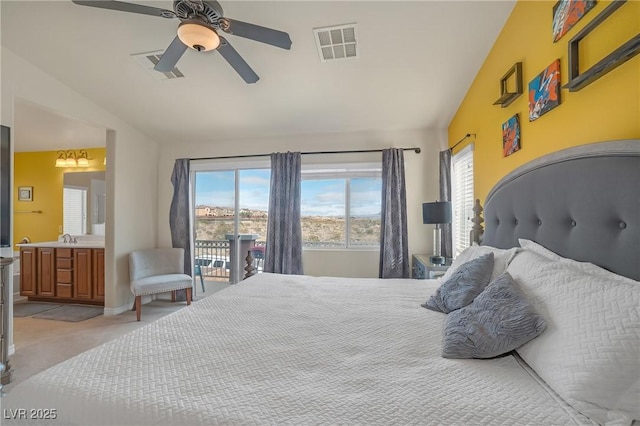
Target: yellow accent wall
{"type": "Point", "coordinates": [606, 109]}
{"type": "Point", "coordinates": [37, 169]}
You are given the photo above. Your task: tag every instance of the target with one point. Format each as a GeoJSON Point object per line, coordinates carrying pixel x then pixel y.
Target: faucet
{"type": "Point", "coordinates": [66, 238]}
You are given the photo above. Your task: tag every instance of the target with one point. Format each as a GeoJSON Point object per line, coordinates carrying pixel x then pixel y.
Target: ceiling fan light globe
{"type": "Point", "coordinates": [198, 36]}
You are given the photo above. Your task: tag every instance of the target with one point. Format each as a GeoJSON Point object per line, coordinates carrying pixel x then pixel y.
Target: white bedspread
{"type": "Point", "coordinates": [291, 350]}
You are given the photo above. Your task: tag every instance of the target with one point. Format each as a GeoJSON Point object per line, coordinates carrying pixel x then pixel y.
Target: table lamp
{"type": "Point", "coordinates": [437, 213]}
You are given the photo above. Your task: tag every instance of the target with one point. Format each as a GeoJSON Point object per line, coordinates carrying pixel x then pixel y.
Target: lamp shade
{"type": "Point", "coordinates": [437, 212]}
{"type": "Point", "coordinates": [198, 36]}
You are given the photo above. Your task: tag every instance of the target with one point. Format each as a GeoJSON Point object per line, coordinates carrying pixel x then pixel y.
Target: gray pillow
{"type": "Point", "coordinates": [499, 320]}
{"type": "Point", "coordinates": [463, 286]}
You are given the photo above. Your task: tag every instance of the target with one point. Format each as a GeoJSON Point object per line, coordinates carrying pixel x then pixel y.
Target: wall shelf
{"type": "Point", "coordinates": [616, 58]}
{"type": "Point", "coordinates": [507, 97]}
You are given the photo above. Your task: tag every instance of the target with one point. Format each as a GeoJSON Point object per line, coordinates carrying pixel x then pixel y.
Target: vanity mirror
{"type": "Point", "coordinates": [84, 203]}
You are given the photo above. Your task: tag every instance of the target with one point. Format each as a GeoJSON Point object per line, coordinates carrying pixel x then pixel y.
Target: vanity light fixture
{"type": "Point", "coordinates": [72, 158]}
{"type": "Point", "coordinates": [61, 161]}
{"type": "Point", "coordinates": [83, 159]}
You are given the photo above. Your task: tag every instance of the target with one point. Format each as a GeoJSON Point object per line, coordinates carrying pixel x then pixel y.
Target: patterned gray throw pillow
{"type": "Point", "coordinates": [499, 320]}
{"type": "Point", "coordinates": [463, 286]}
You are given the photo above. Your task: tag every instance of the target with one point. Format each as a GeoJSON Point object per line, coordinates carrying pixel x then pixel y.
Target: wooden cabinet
{"type": "Point", "coordinates": [64, 265]}
{"type": "Point", "coordinates": [98, 274]}
{"type": "Point", "coordinates": [28, 271]}
{"type": "Point", "coordinates": [46, 272]}
{"type": "Point", "coordinates": [82, 273]}
{"type": "Point", "coordinates": [62, 274]}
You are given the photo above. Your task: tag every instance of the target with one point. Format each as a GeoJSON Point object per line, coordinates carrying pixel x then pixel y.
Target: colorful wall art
{"type": "Point", "coordinates": [511, 136]}
{"type": "Point", "coordinates": [566, 13]}
{"type": "Point", "coordinates": [544, 91]}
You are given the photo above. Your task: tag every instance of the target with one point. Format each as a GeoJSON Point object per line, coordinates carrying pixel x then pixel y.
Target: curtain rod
{"type": "Point", "coordinates": [468, 135]}
{"type": "Point", "coordinates": [416, 150]}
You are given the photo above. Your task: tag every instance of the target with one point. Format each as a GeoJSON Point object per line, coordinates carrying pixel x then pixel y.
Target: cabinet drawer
{"type": "Point", "coordinates": [419, 271]}
{"type": "Point", "coordinates": [64, 290]}
{"type": "Point", "coordinates": [65, 276]}
{"type": "Point", "coordinates": [63, 263]}
{"type": "Point", "coordinates": [63, 252]}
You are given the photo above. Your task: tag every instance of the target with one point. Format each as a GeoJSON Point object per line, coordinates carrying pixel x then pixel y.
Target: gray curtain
{"type": "Point", "coordinates": [446, 243]}
{"type": "Point", "coordinates": [283, 254]}
{"type": "Point", "coordinates": [394, 248]}
{"type": "Point", "coordinates": [179, 215]}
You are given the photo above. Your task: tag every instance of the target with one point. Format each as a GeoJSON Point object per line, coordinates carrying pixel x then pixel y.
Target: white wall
{"type": "Point", "coordinates": [421, 179]}
{"type": "Point", "coordinates": [131, 167]}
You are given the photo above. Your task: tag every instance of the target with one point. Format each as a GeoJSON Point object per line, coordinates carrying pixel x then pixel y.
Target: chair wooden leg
{"type": "Point", "coordinates": [189, 296]}
{"type": "Point", "coordinates": [173, 296]}
{"type": "Point", "coordinates": [138, 307]}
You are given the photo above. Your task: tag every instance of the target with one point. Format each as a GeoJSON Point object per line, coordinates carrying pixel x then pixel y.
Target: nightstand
{"type": "Point", "coordinates": [423, 270]}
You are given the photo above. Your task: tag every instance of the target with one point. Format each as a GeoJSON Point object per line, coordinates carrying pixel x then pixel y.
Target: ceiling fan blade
{"type": "Point", "coordinates": [127, 7]}
{"type": "Point", "coordinates": [171, 56]}
{"type": "Point", "coordinates": [237, 63]}
{"type": "Point", "coordinates": [257, 33]}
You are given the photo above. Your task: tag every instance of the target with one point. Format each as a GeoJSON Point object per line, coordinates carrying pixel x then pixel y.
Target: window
{"type": "Point", "coordinates": [462, 196]}
{"type": "Point", "coordinates": [330, 194]}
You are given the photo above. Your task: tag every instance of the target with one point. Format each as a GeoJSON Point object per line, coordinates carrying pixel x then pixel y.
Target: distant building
{"type": "Point", "coordinates": [205, 211]}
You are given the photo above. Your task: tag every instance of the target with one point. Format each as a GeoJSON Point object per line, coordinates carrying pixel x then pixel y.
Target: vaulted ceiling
{"type": "Point", "coordinates": [416, 61]}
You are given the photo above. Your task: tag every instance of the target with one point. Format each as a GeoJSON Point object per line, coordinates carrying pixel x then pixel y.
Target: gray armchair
{"type": "Point", "coordinates": [155, 271]}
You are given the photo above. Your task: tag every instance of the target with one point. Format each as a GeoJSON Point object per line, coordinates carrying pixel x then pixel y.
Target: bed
{"type": "Point", "coordinates": [321, 350]}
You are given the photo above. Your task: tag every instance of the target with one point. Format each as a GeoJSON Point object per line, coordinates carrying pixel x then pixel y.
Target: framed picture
{"type": "Point", "coordinates": [25, 193]}
{"type": "Point", "coordinates": [566, 13]}
{"type": "Point", "coordinates": [544, 91]}
{"type": "Point", "coordinates": [511, 136]}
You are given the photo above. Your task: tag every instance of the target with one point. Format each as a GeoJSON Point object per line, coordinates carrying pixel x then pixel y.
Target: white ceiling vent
{"type": "Point", "coordinates": [337, 42]}
{"type": "Point", "coordinates": [148, 60]}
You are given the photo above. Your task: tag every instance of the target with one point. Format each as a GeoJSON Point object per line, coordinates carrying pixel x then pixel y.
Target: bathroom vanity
{"type": "Point", "coordinates": [63, 272]}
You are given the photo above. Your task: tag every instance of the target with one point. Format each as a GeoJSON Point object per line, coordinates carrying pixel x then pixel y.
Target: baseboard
{"type": "Point", "coordinates": [124, 308]}
{"type": "Point", "coordinates": [108, 312]}
{"type": "Point", "coordinates": [18, 298]}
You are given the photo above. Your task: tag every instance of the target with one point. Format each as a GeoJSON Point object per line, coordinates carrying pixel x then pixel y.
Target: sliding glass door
{"type": "Point", "coordinates": [230, 219]}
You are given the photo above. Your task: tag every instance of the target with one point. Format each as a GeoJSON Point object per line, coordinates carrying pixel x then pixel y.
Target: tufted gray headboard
{"type": "Point", "coordinates": [583, 203]}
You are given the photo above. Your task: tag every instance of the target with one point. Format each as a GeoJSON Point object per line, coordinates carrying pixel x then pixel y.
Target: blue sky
{"type": "Point", "coordinates": [217, 189]}
{"type": "Point", "coordinates": [319, 197]}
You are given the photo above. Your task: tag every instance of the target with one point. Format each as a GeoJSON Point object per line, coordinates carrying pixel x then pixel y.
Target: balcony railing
{"type": "Point", "coordinates": [212, 256]}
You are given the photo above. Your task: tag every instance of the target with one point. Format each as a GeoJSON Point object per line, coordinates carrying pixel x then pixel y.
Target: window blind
{"type": "Point", "coordinates": [75, 211]}
{"type": "Point", "coordinates": [462, 197]}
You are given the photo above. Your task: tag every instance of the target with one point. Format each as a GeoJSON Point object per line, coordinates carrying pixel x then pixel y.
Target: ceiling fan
{"type": "Point", "coordinates": [200, 22]}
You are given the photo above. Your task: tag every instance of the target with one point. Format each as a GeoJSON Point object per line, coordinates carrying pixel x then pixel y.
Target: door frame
{"type": "Point", "coordinates": [229, 165]}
